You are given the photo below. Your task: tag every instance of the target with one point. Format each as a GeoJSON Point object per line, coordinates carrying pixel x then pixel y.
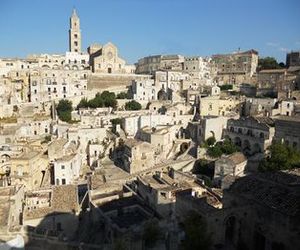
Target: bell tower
{"type": "Point", "coordinates": [74, 33]}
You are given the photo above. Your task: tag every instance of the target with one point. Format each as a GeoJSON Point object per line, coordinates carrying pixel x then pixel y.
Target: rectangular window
{"type": "Point", "coordinates": [63, 181]}
{"type": "Point", "coordinates": [62, 167]}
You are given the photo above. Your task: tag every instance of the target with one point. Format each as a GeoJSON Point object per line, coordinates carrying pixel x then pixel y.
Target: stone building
{"type": "Point", "coordinates": [252, 134]}
{"type": "Point", "coordinates": [105, 59]}
{"type": "Point", "coordinates": [268, 107]}
{"type": "Point", "coordinates": [159, 193]}
{"type": "Point", "coordinates": [198, 68]}
{"type": "Point", "coordinates": [235, 68]}
{"type": "Point", "coordinates": [28, 169]}
{"type": "Point", "coordinates": [165, 86]}
{"type": "Point", "coordinates": [134, 156]}
{"type": "Point", "coordinates": [51, 211]}
{"type": "Point", "coordinates": [200, 131]}
{"type": "Point", "coordinates": [151, 64]}
{"type": "Point", "coordinates": [68, 61]}
{"type": "Point", "coordinates": [14, 86]}
{"type": "Point", "coordinates": [255, 206]}
{"type": "Point", "coordinates": [123, 219]}
{"type": "Point", "coordinates": [11, 209]}
{"type": "Point", "coordinates": [270, 78]}
{"type": "Point", "coordinates": [233, 165]}
{"type": "Point", "coordinates": [287, 130]}
{"type": "Point", "coordinates": [217, 106]}
{"type": "Point", "coordinates": [287, 108]}
{"type": "Point", "coordinates": [15, 64]}
{"type": "Point", "coordinates": [144, 90]}
{"type": "Point", "coordinates": [67, 168]}
{"type": "Point", "coordinates": [259, 106]}
{"type": "Point", "coordinates": [131, 124]}
{"type": "Point", "coordinates": [161, 138]}
{"type": "Point", "coordinates": [293, 59]}
{"type": "Point", "coordinates": [47, 85]}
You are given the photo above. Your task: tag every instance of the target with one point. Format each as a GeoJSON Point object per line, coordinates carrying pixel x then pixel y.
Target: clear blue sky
{"type": "Point", "coordinates": [145, 27]}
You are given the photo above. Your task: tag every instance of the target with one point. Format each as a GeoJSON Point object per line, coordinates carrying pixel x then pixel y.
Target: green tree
{"type": "Point", "coordinates": [133, 105]}
{"type": "Point", "coordinates": [96, 102]}
{"type": "Point", "coordinates": [116, 121]}
{"type": "Point", "coordinates": [215, 151]}
{"type": "Point", "coordinates": [109, 99]}
{"type": "Point", "coordinates": [64, 109]}
{"type": "Point", "coordinates": [196, 235]}
{"type": "Point", "coordinates": [123, 95]}
{"type": "Point", "coordinates": [211, 141]}
{"type": "Point", "coordinates": [281, 157]}
{"type": "Point", "coordinates": [83, 103]}
{"type": "Point", "coordinates": [226, 87]}
{"type": "Point", "coordinates": [228, 147]}
{"type": "Point", "coordinates": [268, 63]}
{"type": "Point", "coordinates": [203, 167]}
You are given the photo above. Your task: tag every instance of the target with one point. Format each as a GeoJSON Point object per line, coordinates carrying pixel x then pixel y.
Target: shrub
{"type": "Point", "coordinates": [123, 95]}
{"type": "Point", "coordinates": [281, 157]}
{"type": "Point", "coordinates": [64, 109]}
{"type": "Point", "coordinates": [211, 141]}
{"type": "Point", "coordinates": [133, 105]}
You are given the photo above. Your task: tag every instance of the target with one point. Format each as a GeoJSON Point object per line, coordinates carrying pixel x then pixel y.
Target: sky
{"type": "Point", "coordinates": [148, 27]}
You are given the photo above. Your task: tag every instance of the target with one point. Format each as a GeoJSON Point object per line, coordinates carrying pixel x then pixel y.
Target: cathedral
{"type": "Point", "coordinates": [102, 58]}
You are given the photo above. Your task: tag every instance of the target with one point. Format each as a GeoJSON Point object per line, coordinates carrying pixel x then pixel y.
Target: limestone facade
{"type": "Point", "coordinates": [234, 165]}
{"type": "Point", "coordinates": [235, 68]}
{"type": "Point", "coordinates": [217, 106]}
{"type": "Point", "coordinates": [198, 68]}
{"type": "Point", "coordinates": [287, 130]}
{"type": "Point", "coordinates": [105, 59]}
{"type": "Point", "coordinates": [47, 85]}
{"type": "Point", "coordinates": [253, 135]}
{"type": "Point", "coordinates": [151, 64]}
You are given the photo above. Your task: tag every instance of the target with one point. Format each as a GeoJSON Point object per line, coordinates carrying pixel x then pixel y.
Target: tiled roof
{"type": "Point", "coordinates": [274, 190]}
{"type": "Point", "coordinates": [64, 199]}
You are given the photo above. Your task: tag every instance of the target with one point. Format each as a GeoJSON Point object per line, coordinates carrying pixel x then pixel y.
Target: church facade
{"type": "Point", "coordinates": [105, 59]}
{"type": "Point", "coordinates": [102, 59]}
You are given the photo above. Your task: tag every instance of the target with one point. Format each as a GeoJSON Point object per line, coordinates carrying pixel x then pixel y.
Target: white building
{"type": "Point", "coordinates": [47, 85]}
{"type": "Point", "coordinates": [144, 90]}
{"type": "Point", "coordinates": [132, 124]}
{"type": "Point", "coordinates": [198, 68]}
{"type": "Point", "coordinates": [66, 169]}
{"type": "Point", "coordinates": [165, 86]}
